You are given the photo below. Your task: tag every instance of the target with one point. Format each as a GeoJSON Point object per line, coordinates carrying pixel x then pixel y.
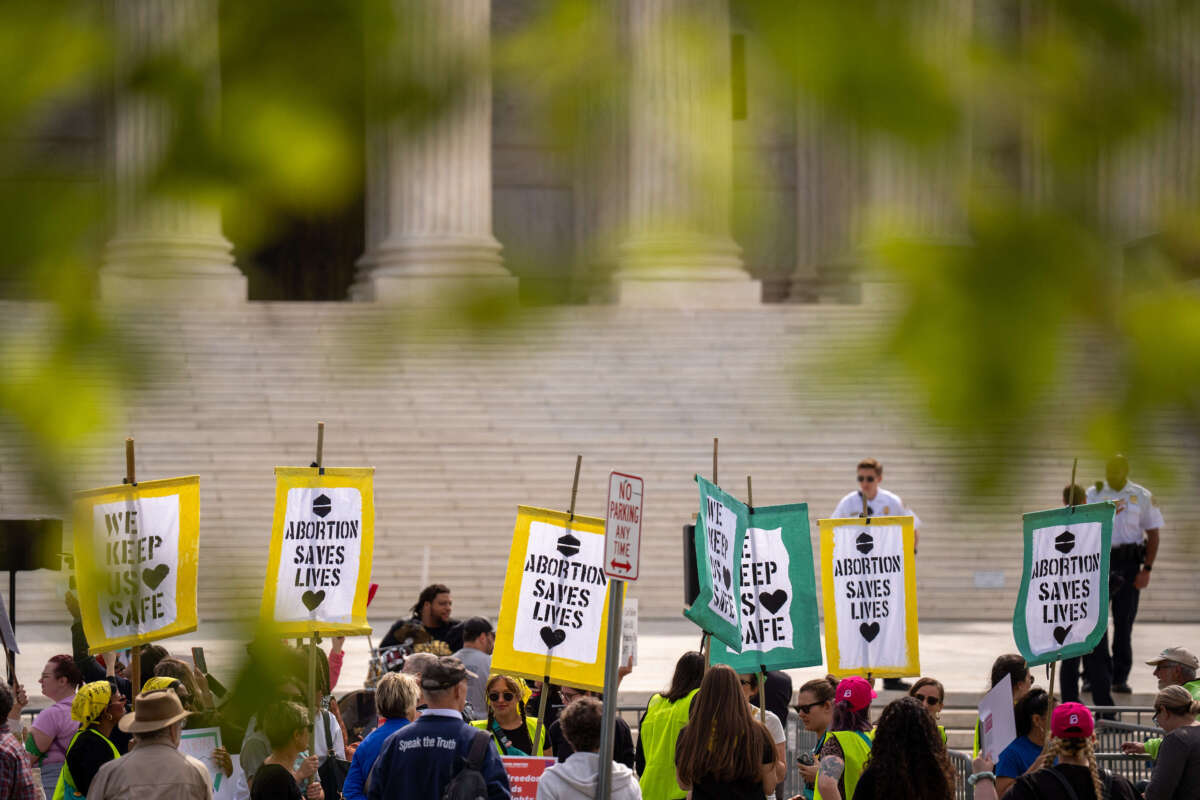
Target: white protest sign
{"type": "Point", "coordinates": [869, 584]}
{"type": "Point", "coordinates": [1062, 606]}
{"type": "Point", "coordinates": [997, 722]}
{"type": "Point", "coordinates": [199, 743]}
{"type": "Point", "coordinates": [623, 526]}
{"type": "Point", "coordinates": [629, 631]}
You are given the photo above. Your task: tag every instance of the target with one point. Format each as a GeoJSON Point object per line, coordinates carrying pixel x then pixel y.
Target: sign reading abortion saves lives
{"type": "Point", "coordinates": [137, 553]}
{"type": "Point", "coordinates": [869, 583]}
{"type": "Point", "coordinates": [553, 614]}
{"type": "Point", "coordinates": [1062, 606]}
{"type": "Point", "coordinates": [322, 540]}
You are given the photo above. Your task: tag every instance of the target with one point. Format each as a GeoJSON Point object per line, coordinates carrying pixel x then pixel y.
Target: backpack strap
{"type": "Point", "coordinates": [328, 735]}
{"type": "Point", "coordinates": [478, 751]}
{"type": "Point", "coordinates": [1066, 785]}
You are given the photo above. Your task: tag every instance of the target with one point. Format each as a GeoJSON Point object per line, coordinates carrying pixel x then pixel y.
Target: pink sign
{"type": "Point", "coordinates": [524, 772]}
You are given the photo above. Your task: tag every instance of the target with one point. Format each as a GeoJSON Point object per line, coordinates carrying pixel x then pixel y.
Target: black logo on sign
{"type": "Point", "coordinates": [568, 545]}
{"type": "Point", "coordinates": [773, 601]}
{"type": "Point", "coordinates": [1064, 542]}
{"type": "Point", "coordinates": [865, 543]}
{"type": "Point", "coordinates": [322, 506]}
{"type": "Point", "coordinates": [312, 599]}
{"type": "Point", "coordinates": [1060, 633]}
{"type": "Point", "coordinates": [869, 630]}
{"type": "Point", "coordinates": [552, 636]}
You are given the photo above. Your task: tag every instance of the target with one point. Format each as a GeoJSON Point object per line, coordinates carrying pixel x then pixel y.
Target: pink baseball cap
{"type": "Point", "coordinates": [1071, 721]}
{"type": "Point", "coordinates": [855, 691]}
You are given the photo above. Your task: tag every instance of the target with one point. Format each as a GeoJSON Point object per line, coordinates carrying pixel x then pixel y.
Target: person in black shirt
{"type": "Point", "coordinates": [908, 758]}
{"type": "Point", "coordinates": [1076, 773]}
{"type": "Point", "coordinates": [287, 728]}
{"type": "Point", "coordinates": [97, 707]}
{"type": "Point", "coordinates": [431, 612]}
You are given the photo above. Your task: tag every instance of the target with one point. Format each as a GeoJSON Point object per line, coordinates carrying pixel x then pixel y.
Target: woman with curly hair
{"type": "Point", "coordinates": [724, 753]}
{"type": "Point", "coordinates": [512, 731]}
{"type": "Point", "coordinates": [908, 760]}
{"type": "Point", "coordinates": [1075, 775]}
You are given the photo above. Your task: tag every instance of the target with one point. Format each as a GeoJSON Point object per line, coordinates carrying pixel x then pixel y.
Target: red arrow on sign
{"type": "Point", "coordinates": [620, 565]}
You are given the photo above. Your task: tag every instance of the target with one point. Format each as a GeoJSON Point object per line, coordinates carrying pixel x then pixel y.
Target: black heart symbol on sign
{"type": "Point", "coordinates": [552, 636]}
{"type": "Point", "coordinates": [865, 543]}
{"type": "Point", "coordinates": [1064, 542]}
{"type": "Point", "coordinates": [312, 599]}
{"type": "Point", "coordinates": [1060, 633]}
{"type": "Point", "coordinates": [773, 601]}
{"type": "Point", "coordinates": [869, 632]}
{"type": "Point", "coordinates": [153, 577]}
{"type": "Point", "coordinates": [725, 576]}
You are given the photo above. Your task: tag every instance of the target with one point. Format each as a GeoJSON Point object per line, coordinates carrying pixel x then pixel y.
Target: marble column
{"type": "Point", "coordinates": [679, 252]}
{"type": "Point", "coordinates": [429, 182]}
{"type": "Point", "coordinates": [163, 247]}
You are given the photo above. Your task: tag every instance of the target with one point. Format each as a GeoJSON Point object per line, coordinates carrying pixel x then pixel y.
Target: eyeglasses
{"type": "Point", "coordinates": [929, 699]}
{"type": "Point", "coordinates": [804, 709]}
{"type": "Point", "coordinates": [866, 478]}
{"type": "Point", "coordinates": [494, 696]}
{"type": "Point", "coordinates": [1157, 711]}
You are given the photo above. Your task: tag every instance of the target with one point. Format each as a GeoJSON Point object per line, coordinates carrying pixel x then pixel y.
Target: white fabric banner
{"type": "Point", "coordinates": [1062, 602]}
{"type": "Point", "coordinates": [766, 591]}
{"type": "Point", "coordinates": [139, 540]}
{"type": "Point", "coordinates": [868, 587]}
{"type": "Point", "coordinates": [319, 555]}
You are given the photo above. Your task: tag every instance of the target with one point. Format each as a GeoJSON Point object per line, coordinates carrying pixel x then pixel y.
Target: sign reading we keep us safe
{"type": "Point", "coordinates": [137, 553]}
{"type": "Point", "coordinates": [554, 610]}
{"type": "Point", "coordinates": [720, 534]}
{"type": "Point", "coordinates": [322, 541]}
{"type": "Point", "coordinates": [869, 582]}
{"type": "Point", "coordinates": [1062, 605]}
{"type": "Point", "coordinates": [777, 593]}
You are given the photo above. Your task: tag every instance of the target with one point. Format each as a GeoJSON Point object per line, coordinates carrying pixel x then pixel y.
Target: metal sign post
{"type": "Point", "coordinates": [622, 538]}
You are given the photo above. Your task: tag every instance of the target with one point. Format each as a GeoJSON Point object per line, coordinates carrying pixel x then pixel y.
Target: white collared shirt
{"type": "Point", "coordinates": [1137, 511]}
{"type": "Point", "coordinates": [885, 504]}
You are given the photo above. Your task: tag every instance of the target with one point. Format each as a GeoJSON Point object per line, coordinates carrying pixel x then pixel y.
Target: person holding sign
{"type": "Point", "coordinates": [1135, 531]}
{"type": "Point", "coordinates": [1075, 776]}
{"type": "Point", "coordinates": [53, 726]}
{"type": "Point", "coordinates": [666, 715]}
{"type": "Point", "coordinates": [724, 753]}
{"type": "Point", "coordinates": [512, 731]}
{"type": "Point", "coordinates": [284, 775]}
{"type": "Point", "coordinates": [1022, 753]}
{"type": "Point", "coordinates": [97, 707]}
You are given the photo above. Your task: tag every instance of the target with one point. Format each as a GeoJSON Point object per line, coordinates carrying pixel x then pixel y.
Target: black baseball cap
{"type": "Point", "coordinates": [445, 673]}
{"type": "Point", "coordinates": [474, 627]}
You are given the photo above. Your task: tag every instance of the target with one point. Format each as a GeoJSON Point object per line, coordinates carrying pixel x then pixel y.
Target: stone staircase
{"type": "Point", "coordinates": [463, 424]}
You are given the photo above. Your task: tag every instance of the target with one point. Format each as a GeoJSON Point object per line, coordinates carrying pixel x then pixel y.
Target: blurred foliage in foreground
{"type": "Point", "coordinates": [1023, 108]}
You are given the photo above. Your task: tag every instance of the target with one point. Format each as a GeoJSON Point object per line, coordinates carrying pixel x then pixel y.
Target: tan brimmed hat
{"type": "Point", "coordinates": [1177, 654]}
{"type": "Point", "coordinates": [153, 711]}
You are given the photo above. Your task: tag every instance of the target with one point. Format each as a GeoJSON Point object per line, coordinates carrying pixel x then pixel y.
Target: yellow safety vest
{"type": "Point", "coordinates": [660, 729]}
{"type": "Point", "coordinates": [856, 747]}
{"type": "Point", "coordinates": [65, 788]}
{"type": "Point", "coordinates": [530, 725]}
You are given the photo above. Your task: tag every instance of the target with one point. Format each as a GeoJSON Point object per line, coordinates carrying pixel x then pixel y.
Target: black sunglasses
{"type": "Point", "coordinates": [929, 699]}
{"type": "Point", "coordinates": [807, 707]}
{"type": "Point", "coordinates": [867, 478]}
{"type": "Point", "coordinates": [494, 696]}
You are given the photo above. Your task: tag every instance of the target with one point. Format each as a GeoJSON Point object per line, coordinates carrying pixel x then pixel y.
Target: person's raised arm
{"type": "Point", "coordinates": [985, 787]}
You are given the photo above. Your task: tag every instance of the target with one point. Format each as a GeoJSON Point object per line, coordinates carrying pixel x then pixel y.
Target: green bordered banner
{"type": "Point", "coordinates": [1062, 604]}
{"type": "Point", "coordinates": [720, 533]}
{"type": "Point", "coordinates": [778, 594]}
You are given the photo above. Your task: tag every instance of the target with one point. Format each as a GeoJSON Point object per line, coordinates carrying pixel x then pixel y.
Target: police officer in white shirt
{"type": "Point", "coordinates": [1134, 548]}
{"type": "Point", "coordinates": [871, 500]}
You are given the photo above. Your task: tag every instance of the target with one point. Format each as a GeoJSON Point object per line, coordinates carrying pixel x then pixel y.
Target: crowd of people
{"type": "Point", "coordinates": [443, 720]}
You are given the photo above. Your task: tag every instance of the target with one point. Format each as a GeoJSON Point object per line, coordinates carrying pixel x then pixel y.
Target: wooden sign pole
{"type": "Point", "coordinates": [313, 641]}
{"type": "Point", "coordinates": [1053, 668]}
{"type": "Point", "coordinates": [544, 695]}
{"type": "Point", "coordinates": [135, 652]}
{"type": "Point", "coordinates": [762, 670]}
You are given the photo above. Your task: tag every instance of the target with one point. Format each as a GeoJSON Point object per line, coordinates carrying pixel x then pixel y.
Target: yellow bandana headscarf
{"type": "Point", "coordinates": [522, 686]}
{"type": "Point", "coordinates": [90, 702]}
{"type": "Point", "coordinates": [159, 682]}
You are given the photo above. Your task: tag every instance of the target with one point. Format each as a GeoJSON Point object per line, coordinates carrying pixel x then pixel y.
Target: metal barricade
{"type": "Point", "coordinates": [962, 768]}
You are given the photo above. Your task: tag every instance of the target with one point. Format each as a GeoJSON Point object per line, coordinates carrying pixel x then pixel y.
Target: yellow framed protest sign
{"type": "Point", "coordinates": [322, 541]}
{"type": "Point", "coordinates": [554, 611]}
{"type": "Point", "coordinates": [137, 554]}
{"type": "Point", "coordinates": [869, 585]}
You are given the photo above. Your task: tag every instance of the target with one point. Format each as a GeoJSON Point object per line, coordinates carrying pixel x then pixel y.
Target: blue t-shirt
{"type": "Point", "coordinates": [355, 787]}
{"type": "Point", "coordinates": [1017, 758]}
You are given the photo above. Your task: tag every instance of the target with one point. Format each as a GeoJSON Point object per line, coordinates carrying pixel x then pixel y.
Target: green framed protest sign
{"type": "Point", "coordinates": [778, 594]}
{"type": "Point", "coordinates": [720, 533]}
{"type": "Point", "coordinates": [1062, 603]}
